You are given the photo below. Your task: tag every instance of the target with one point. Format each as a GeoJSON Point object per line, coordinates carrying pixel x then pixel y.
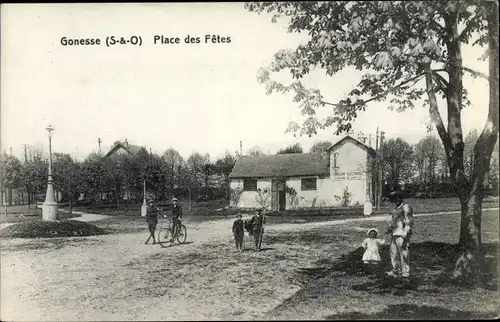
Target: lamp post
{"type": "Point", "coordinates": [50, 208]}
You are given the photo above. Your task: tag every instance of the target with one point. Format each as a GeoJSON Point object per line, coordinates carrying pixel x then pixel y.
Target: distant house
{"type": "Point", "coordinates": [319, 179]}
{"type": "Point", "coordinates": [123, 148]}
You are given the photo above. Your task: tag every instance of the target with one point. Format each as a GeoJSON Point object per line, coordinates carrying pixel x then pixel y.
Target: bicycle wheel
{"type": "Point", "coordinates": [164, 237]}
{"type": "Point", "coordinates": [182, 234]}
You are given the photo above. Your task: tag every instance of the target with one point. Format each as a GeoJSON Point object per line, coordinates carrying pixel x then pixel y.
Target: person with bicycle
{"type": "Point", "coordinates": [176, 217]}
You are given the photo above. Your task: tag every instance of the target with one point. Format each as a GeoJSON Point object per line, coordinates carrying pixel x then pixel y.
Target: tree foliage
{"type": "Point", "coordinates": [94, 177]}
{"type": "Point", "coordinates": [428, 156]}
{"type": "Point", "coordinates": [391, 42]}
{"type": "Point", "coordinates": [469, 143]}
{"type": "Point", "coordinates": [34, 178]}
{"type": "Point", "coordinates": [255, 151]}
{"type": "Point", "coordinates": [67, 176]}
{"type": "Point", "coordinates": [174, 163]}
{"type": "Point", "coordinates": [11, 171]}
{"type": "Point", "coordinates": [295, 148]}
{"type": "Point", "coordinates": [397, 161]}
{"type": "Point", "coordinates": [409, 51]}
{"type": "Point", "coordinates": [320, 146]}
{"type": "Point", "coordinates": [223, 167]}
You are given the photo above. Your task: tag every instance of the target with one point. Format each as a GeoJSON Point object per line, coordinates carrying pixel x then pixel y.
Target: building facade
{"type": "Point", "coordinates": [342, 176]}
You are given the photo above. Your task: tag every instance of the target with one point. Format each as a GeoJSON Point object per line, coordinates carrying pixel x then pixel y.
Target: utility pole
{"type": "Point", "coordinates": [375, 192]}
{"type": "Point", "coordinates": [380, 169]}
{"type": "Point", "coordinates": [99, 142]}
{"type": "Point", "coordinates": [241, 148]}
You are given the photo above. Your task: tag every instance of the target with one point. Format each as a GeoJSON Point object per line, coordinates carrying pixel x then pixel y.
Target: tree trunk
{"type": "Point", "coordinates": [9, 196]}
{"type": "Point", "coordinates": [466, 268]}
{"type": "Point", "coordinates": [28, 195]}
{"type": "Point", "coordinates": [117, 198]}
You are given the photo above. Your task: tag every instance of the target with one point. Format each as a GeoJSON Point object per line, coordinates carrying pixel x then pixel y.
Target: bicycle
{"type": "Point", "coordinates": [166, 235]}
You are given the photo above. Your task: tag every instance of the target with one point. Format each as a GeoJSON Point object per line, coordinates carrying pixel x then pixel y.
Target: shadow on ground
{"type": "Point", "coordinates": [176, 245]}
{"type": "Point", "coordinates": [362, 292]}
{"type": "Point", "coordinates": [431, 263]}
{"type": "Point", "coordinates": [414, 312]}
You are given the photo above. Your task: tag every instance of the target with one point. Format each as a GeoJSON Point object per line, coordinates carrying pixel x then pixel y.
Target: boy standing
{"type": "Point", "coordinates": [152, 220]}
{"type": "Point", "coordinates": [238, 232]}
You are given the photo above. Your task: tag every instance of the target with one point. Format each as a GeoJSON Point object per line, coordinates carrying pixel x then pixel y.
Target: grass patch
{"type": "Point", "coordinates": [420, 206]}
{"type": "Point", "coordinates": [338, 287]}
{"type": "Point", "coordinates": [413, 312]}
{"type": "Point", "coordinates": [64, 228]}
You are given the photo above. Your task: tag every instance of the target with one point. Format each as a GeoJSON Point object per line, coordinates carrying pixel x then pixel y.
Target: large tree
{"type": "Point", "coordinates": [173, 165]}
{"type": "Point", "coordinates": [94, 176]}
{"type": "Point", "coordinates": [397, 161]}
{"type": "Point", "coordinates": [113, 169]}
{"type": "Point", "coordinates": [11, 172]}
{"type": "Point", "coordinates": [67, 177]}
{"type": "Point", "coordinates": [223, 167]}
{"type": "Point", "coordinates": [408, 51]}
{"type": "Point", "coordinates": [197, 171]}
{"type": "Point", "coordinates": [34, 179]}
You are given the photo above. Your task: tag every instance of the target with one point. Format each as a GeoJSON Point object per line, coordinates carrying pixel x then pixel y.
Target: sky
{"type": "Point", "coordinates": [192, 97]}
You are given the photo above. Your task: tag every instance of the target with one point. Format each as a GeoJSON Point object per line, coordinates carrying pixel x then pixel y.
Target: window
{"type": "Point", "coordinates": [308, 184]}
{"type": "Point", "coordinates": [250, 185]}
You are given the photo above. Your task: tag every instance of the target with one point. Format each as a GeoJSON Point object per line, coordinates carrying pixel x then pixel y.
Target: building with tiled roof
{"type": "Point", "coordinates": [319, 179]}
{"type": "Point", "coordinates": [123, 147]}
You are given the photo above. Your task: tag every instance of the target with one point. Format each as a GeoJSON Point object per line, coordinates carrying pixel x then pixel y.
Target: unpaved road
{"type": "Point", "coordinates": [117, 277]}
{"type": "Point", "coordinates": [104, 278]}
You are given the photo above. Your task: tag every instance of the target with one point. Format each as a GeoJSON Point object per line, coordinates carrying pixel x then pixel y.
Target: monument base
{"type": "Point", "coordinates": [367, 209]}
{"type": "Point", "coordinates": [49, 211]}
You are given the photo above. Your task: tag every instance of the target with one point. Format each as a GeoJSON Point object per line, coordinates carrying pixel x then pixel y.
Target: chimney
{"type": "Point", "coordinates": [126, 142]}
{"type": "Point", "coordinates": [241, 148]}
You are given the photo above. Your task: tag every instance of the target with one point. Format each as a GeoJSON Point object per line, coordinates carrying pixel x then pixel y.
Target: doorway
{"type": "Point", "coordinates": [278, 201]}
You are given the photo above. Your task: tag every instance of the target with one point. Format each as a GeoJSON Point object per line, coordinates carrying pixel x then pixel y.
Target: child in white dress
{"type": "Point", "coordinates": [371, 246]}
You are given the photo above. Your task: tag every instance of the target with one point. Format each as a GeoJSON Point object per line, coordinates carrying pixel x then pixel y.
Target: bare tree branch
{"type": "Point", "coordinates": [442, 83]}
{"type": "Point", "coordinates": [476, 73]}
{"type": "Point", "coordinates": [434, 111]}
{"type": "Point", "coordinates": [412, 79]}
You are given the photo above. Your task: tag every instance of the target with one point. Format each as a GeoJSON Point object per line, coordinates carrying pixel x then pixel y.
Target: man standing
{"type": "Point", "coordinates": [152, 220]}
{"type": "Point", "coordinates": [401, 230]}
{"type": "Point", "coordinates": [258, 222]}
{"type": "Point", "coordinates": [176, 216]}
